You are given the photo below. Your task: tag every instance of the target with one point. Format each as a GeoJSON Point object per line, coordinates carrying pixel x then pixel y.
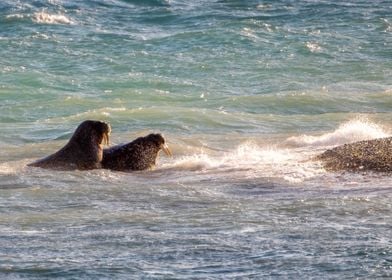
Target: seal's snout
{"type": "Point", "coordinates": [161, 143]}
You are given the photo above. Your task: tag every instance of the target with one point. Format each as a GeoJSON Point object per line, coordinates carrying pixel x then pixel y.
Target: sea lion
{"type": "Point", "coordinates": [140, 154]}
{"type": "Point", "coordinates": [375, 155]}
{"type": "Point", "coordinates": [83, 151]}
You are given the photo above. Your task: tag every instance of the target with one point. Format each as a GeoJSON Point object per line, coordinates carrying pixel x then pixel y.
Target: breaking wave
{"type": "Point", "coordinates": [47, 18]}
{"type": "Point", "coordinates": [351, 131]}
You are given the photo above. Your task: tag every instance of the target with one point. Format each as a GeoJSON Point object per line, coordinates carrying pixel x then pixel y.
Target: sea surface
{"type": "Point", "coordinates": [246, 93]}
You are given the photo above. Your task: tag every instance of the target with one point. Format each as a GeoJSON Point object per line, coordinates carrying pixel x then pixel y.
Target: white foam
{"type": "Point", "coordinates": [13, 167]}
{"type": "Point", "coordinates": [263, 6]}
{"type": "Point", "coordinates": [351, 131]}
{"type": "Point", "coordinates": [313, 47]}
{"type": "Point", "coordinates": [15, 16]}
{"type": "Point", "coordinates": [251, 160]}
{"type": "Point", "coordinates": [46, 18]}
{"type": "Point", "coordinates": [294, 164]}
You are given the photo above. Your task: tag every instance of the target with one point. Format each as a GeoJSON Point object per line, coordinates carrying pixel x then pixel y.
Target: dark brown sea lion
{"type": "Point", "coordinates": [375, 155]}
{"type": "Point", "coordinates": [140, 154]}
{"type": "Point", "coordinates": [83, 151]}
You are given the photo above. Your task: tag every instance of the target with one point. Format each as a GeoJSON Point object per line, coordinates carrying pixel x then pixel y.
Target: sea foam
{"type": "Point", "coordinates": [351, 131]}
{"type": "Point", "coordinates": [46, 18]}
{"type": "Point", "coordinates": [291, 161]}
{"type": "Point", "coordinates": [249, 160]}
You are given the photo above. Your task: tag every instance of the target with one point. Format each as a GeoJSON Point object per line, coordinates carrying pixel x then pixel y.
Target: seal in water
{"type": "Point", "coordinates": [140, 154]}
{"type": "Point", "coordinates": [83, 151]}
{"type": "Point", "coordinates": [375, 155]}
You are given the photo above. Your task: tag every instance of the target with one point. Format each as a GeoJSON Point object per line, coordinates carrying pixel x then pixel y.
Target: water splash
{"type": "Point", "coordinates": [46, 18]}
{"type": "Point", "coordinates": [293, 164]}
{"type": "Point", "coordinates": [313, 47]}
{"type": "Point", "coordinates": [13, 167]}
{"type": "Point", "coordinates": [351, 131]}
{"type": "Point", "coordinates": [249, 160]}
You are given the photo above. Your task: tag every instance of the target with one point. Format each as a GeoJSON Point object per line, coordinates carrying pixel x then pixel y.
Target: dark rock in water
{"type": "Point", "coordinates": [140, 154]}
{"type": "Point", "coordinates": [375, 155]}
{"type": "Point", "coordinates": [83, 151]}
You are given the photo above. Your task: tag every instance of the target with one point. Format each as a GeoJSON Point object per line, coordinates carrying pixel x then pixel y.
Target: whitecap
{"type": "Point", "coordinates": [46, 18]}
{"type": "Point", "coordinates": [351, 131]}
{"type": "Point", "coordinates": [248, 32]}
{"type": "Point", "coordinates": [249, 160]}
{"type": "Point", "coordinates": [313, 47]}
{"type": "Point", "coordinates": [15, 16]}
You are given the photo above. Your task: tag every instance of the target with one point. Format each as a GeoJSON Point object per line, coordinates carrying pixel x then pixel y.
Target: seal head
{"type": "Point", "coordinates": [140, 154]}
{"type": "Point", "coordinates": [83, 151]}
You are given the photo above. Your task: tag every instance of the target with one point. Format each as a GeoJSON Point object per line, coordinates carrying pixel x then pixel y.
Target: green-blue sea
{"type": "Point", "coordinates": [246, 94]}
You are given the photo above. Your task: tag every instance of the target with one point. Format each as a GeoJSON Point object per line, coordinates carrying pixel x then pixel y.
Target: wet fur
{"type": "Point", "coordinates": [83, 151]}
{"type": "Point", "coordinates": [140, 154]}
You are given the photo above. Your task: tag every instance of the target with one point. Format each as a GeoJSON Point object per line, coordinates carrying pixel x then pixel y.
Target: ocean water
{"type": "Point", "coordinates": [246, 94]}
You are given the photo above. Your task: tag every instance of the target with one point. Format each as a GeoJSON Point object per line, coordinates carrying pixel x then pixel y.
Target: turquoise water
{"type": "Point", "coordinates": [246, 94]}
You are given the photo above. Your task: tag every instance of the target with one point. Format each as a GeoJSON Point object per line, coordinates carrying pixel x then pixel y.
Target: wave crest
{"type": "Point", "coordinates": [351, 131]}
{"type": "Point", "coordinates": [250, 160]}
{"type": "Point", "coordinates": [46, 18]}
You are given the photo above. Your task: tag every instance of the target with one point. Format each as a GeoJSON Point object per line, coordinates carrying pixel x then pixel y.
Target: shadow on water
{"type": "Point", "coordinates": [263, 187]}
{"type": "Point", "coordinates": [153, 3]}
